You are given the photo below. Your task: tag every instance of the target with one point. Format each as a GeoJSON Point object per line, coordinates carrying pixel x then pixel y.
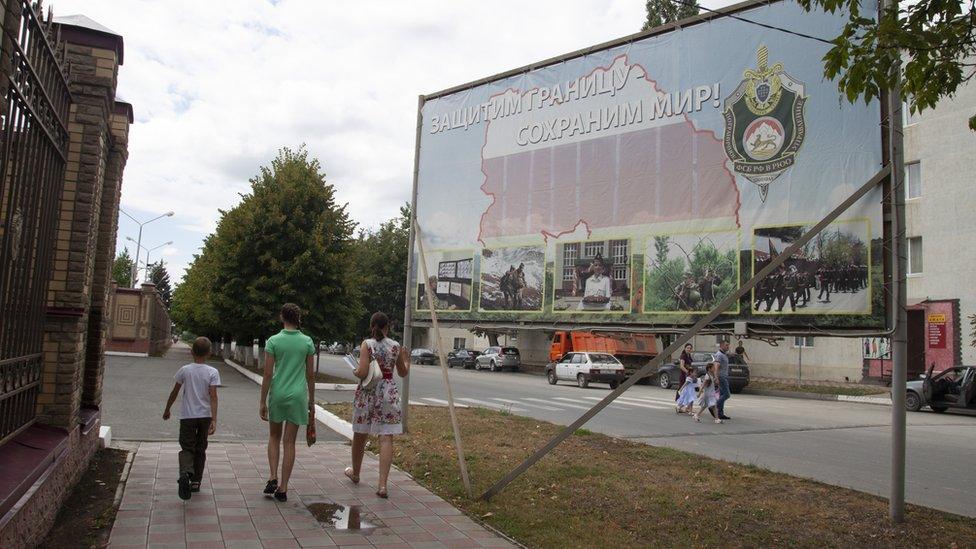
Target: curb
{"type": "Point", "coordinates": [878, 401]}
{"type": "Point", "coordinates": [322, 415]}
{"type": "Point", "coordinates": [318, 386]}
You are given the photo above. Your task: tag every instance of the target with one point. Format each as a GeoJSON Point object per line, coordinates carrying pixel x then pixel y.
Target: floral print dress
{"type": "Point", "coordinates": [376, 411]}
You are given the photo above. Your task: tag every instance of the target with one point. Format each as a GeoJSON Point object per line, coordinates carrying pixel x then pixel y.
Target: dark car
{"type": "Point", "coordinates": [499, 358]}
{"type": "Point", "coordinates": [951, 388]}
{"type": "Point", "coordinates": [423, 356]}
{"type": "Point", "coordinates": [462, 358]}
{"type": "Point", "coordinates": [668, 375]}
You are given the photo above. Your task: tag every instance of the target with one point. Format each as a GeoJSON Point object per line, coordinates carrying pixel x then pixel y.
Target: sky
{"type": "Point", "coordinates": [218, 87]}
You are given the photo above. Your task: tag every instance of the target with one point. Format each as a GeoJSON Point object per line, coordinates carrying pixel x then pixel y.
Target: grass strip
{"type": "Point", "coordinates": [867, 390]}
{"type": "Point", "coordinates": [320, 377]}
{"type": "Point", "coordinates": [598, 491]}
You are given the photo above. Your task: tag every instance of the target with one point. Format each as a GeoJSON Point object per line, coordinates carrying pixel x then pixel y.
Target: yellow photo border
{"type": "Point", "coordinates": [545, 259]}
{"type": "Point", "coordinates": [630, 297]}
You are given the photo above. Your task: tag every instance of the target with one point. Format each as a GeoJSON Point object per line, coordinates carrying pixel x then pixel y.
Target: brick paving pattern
{"type": "Point", "coordinates": [230, 510]}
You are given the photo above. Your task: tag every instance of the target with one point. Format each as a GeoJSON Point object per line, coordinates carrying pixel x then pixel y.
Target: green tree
{"type": "Point", "coordinates": [936, 39]}
{"type": "Point", "coordinates": [661, 245]}
{"type": "Point", "coordinates": [287, 241]}
{"type": "Point", "coordinates": [381, 259]}
{"type": "Point", "coordinates": [192, 307]}
{"type": "Point", "coordinates": [661, 12]}
{"type": "Point", "coordinates": [122, 269]}
{"type": "Point", "coordinates": [159, 276]}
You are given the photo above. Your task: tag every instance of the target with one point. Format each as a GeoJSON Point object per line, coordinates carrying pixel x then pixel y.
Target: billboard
{"type": "Point", "coordinates": [642, 182]}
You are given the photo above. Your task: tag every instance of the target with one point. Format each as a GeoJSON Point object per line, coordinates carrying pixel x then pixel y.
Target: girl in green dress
{"type": "Point", "coordinates": [287, 394]}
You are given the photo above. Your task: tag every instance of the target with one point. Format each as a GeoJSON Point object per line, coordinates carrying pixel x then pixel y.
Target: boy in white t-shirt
{"type": "Point", "coordinates": [198, 418]}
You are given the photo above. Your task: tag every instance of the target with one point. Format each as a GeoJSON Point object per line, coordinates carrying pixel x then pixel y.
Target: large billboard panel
{"type": "Point", "coordinates": [652, 177]}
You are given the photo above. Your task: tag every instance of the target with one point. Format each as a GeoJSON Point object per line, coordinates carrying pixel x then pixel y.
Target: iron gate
{"type": "Point", "coordinates": [32, 160]}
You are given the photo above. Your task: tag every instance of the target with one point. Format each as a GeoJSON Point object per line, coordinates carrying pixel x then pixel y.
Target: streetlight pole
{"type": "Point", "coordinates": [129, 238]}
{"type": "Point", "coordinates": [135, 265]}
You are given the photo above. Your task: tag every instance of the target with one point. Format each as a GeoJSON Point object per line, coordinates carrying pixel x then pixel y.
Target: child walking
{"type": "Point", "coordinates": [687, 393]}
{"type": "Point", "coordinates": [708, 394]}
{"type": "Point", "coordinates": [198, 418]}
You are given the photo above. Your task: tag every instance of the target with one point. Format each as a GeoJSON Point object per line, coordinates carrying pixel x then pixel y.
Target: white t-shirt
{"type": "Point", "coordinates": [596, 285]}
{"type": "Point", "coordinates": [196, 380]}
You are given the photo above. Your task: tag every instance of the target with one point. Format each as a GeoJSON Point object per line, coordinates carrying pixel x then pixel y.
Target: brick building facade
{"type": "Point", "coordinates": [46, 454]}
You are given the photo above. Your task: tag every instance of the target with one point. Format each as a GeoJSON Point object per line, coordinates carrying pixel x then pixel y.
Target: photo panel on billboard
{"type": "Point", "coordinates": [592, 277]}
{"type": "Point", "coordinates": [690, 272]}
{"type": "Point", "coordinates": [831, 274]}
{"type": "Point", "coordinates": [451, 277]}
{"type": "Point", "coordinates": [512, 279]}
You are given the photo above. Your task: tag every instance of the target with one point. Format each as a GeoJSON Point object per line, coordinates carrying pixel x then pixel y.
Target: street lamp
{"type": "Point", "coordinates": [135, 266]}
{"type": "Point", "coordinates": [130, 239]}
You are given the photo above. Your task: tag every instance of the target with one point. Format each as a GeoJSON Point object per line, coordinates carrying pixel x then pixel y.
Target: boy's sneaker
{"type": "Point", "coordinates": [184, 483]}
{"type": "Point", "coordinates": [194, 487]}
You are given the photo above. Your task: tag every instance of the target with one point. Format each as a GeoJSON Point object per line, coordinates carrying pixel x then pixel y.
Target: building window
{"type": "Point", "coordinates": [722, 338]}
{"type": "Point", "coordinates": [803, 341]}
{"type": "Point", "coordinates": [459, 343]}
{"type": "Point", "coordinates": [913, 180]}
{"type": "Point", "coordinates": [907, 117]}
{"type": "Point", "coordinates": [592, 249]}
{"type": "Point", "coordinates": [570, 255]}
{"type": "Point", "coordinates": [915, 255]}
{"type": "Point", "coordinates": [618, 255]}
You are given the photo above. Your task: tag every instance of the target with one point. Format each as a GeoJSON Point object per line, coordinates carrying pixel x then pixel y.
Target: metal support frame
{"type": "Point", "coordinates": [680, 341]}
{"type": "Point", "coordinates": [408, 291]}
{"type": "Point", "coordinates": [440, 354]}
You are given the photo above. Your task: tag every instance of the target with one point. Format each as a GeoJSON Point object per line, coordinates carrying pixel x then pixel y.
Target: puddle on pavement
{"type": "Point", "coordinates": [341, 517]}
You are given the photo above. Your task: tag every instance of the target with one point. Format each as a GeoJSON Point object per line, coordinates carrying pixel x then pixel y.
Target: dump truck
{"type": "Point", "coordinates": [633, 350]}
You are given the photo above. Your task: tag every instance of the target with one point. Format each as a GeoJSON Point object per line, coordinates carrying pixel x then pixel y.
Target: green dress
{"type": "Point", "coordinates": [288, 396]}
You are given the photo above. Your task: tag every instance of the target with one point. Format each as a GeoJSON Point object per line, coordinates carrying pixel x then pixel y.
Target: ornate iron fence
{"type": "Point", "coordinates": [33, 150]}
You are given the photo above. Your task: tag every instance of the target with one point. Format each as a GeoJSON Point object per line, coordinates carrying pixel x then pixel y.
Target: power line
{"type": "Point", "coordinates": [750, 21]}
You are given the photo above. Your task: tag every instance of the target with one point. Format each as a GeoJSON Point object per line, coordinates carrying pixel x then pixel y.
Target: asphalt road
{"type": "Point", "coordinates": [840, 443]}
{"type": "Point", "coordinates": [135, 391]}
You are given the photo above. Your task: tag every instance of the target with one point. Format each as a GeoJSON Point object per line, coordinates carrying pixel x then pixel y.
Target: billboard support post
{"type": "Point", "coordinates": [899, 293]}
{"type": "Point", "coordinates": [652, 366]}
{"type": "Point", "coordinates": [428, 291]}
{"type": "Point", "coordinates": [408, 290]}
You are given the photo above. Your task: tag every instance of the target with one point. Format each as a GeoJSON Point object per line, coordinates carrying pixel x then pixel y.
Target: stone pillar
{"type": "Point", "coordinates": [83, 246]}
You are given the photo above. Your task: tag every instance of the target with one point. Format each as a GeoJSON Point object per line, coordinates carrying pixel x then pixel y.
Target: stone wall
{"type": "Point", "coordinates": [137, 321]}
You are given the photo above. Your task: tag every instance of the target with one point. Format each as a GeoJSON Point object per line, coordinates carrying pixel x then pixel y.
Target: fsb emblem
{"type": "Point", "coordinates": [764, 125]}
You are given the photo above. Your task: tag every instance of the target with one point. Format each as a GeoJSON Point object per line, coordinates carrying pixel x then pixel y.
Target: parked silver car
{"type": "Point", "coordinates": [499, 358]}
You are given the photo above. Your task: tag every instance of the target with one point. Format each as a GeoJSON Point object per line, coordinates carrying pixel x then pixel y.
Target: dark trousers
{"type": "Point", "coordinates": [193, 446]}
{"type": "Point", "coordinates": [724, 392]}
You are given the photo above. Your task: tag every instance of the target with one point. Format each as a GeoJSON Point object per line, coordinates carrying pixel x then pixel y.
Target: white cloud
{"type": "Point", "coordinates": [218, 87]}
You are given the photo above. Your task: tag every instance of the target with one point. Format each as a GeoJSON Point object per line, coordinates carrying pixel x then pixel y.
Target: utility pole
{"type": "Point", "coordinates": [135, 265]}
{"type": "Point", "coordinates": [408, 292]}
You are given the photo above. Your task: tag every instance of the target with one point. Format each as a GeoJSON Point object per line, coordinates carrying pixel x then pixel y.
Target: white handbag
{"type": "Point", "coordinates": [373, 376]}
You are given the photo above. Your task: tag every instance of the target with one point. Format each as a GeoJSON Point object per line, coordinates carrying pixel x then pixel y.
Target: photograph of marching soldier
{"type": "Point", "coordinates": [690, 272]}
{"type": "Point", "coordinates": [512, 279]}
{"type": "Point", "coordinates": [830, 275]}
{"type": "Point", "coordinates": [592, 276]}
{"type": "Point", "coordinates": [451, 278]}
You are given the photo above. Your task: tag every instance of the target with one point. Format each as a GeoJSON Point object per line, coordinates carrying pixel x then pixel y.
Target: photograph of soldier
{"type": "Point", "coordinates": [450, 277]}
{"type": "Point", "coordinates": [690, 272]}
{"type": "Point", "coordinates": [512, 278]}
{"type": "Point", "coordinates": [592, 276]}
{"type": "Point", "coordinates": [834, 265]}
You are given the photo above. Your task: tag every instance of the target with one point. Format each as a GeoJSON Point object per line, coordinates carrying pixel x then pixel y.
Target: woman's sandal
{"type": "Point", "coordinates": [281, 496]}
{"type": "Point", "coordinates": [271, 487]}
{"type": "Point", "coordinates": [351, 476]}
{"type": "Point", "coordinates": [382, 493]}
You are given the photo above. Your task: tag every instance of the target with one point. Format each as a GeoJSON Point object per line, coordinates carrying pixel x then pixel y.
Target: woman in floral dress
{"type": "Point", "coordinates": [376, 411]}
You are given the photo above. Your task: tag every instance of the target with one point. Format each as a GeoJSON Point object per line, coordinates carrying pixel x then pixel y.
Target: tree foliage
{"type": "Point", "coordinates": [661, 12]}
{"type": "Point", "coordinates": [122, 269]}
{"type": "Point", "coordinates": [286, 241]}
{"type": "Point", "coordinates": [936, 38]}
{"type": "Point", "coordinates": [381, 259]}
{"type": "Point", "coordinates": [159, 276]}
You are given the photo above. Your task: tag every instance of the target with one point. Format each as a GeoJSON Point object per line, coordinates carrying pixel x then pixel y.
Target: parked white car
{"type": "Point", "coordinates": [586, 368]}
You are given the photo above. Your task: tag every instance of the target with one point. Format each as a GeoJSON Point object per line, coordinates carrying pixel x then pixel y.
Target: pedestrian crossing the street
{"type": "Point", "coordinates": [553, 404]}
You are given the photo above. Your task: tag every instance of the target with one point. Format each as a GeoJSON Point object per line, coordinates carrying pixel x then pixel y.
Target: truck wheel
{"type": "Point", "coordinates": [551, 376]}
{"type": "Point", "coordinates": [664, 380]}
{"type": "Point", "coordinates": [912, 401]}
{"type": "Point", "coordinates": [582, 381]}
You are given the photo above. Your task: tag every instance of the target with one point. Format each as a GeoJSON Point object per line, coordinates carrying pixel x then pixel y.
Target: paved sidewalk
{"type": "Point", "coordinates": [231, 511]}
